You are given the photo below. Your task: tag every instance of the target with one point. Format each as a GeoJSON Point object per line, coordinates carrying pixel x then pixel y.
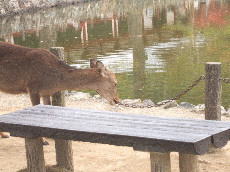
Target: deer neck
{"type": "Point", "coordinates": [81, 79]}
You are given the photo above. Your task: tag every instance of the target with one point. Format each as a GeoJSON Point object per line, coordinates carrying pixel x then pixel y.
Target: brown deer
{"type": "Point", "coordinates": [40, 73]}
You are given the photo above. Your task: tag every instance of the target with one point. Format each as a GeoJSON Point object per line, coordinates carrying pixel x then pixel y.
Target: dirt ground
{"type": "Point", "coordinates": [89, 157]}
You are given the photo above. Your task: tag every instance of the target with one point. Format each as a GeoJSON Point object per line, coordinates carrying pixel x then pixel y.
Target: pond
{"type": "Point", "coordinates": [156, 48]}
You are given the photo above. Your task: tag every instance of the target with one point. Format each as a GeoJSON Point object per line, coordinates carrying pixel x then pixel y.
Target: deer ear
{"type": "Point", "coordinates": [93, 63]}
{"type": "Point", "coordinates": [101, 68]}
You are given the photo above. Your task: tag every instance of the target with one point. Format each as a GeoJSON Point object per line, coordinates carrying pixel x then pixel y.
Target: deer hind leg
{"type": "Point", "coordinates": [4, 135]}
{"type": "Point", "coordinates": [46, 100]}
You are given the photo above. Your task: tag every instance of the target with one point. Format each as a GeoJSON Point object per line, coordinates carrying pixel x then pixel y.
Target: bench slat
{"type": "Point", "coordinates": [93, 117]}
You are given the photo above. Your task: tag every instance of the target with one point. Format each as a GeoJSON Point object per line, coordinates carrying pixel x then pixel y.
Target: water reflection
{"type": "Point", "coordinates": [157, 48]}
{"type": "Point", "coordinates": [135, 30]}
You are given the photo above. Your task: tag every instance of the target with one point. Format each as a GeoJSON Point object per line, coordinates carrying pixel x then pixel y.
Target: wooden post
{"type": "Point", "coordinates": [64, 152]}
{"type": "Point", "coordinates": [188, 162]}
{"type": "Point", "coordinates": [35, 155]}
{"type": "Point", "coordinates": [213, 88]}
{"type": "Point", "coordinates": [160, 162]}
{"type": "Point", "coordinates": [58, 99]}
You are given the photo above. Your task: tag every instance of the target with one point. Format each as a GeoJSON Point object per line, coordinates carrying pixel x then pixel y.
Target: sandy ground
{"type": "Point", "coordinates": [89, 157]}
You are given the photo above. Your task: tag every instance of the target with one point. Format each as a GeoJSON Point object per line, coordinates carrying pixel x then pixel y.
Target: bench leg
{"type": "Point", "coordinates": [35, 155]}
{"type": "Point", "coordinates": [160, 162]}
{"type": "Point", "coordinates": [188, 162]}
{"type": "Point", "coordinates": [64, 154]}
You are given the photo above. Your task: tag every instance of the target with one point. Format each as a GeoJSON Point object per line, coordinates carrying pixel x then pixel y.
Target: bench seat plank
{"type": "Point", "coordinates": [142, 132]}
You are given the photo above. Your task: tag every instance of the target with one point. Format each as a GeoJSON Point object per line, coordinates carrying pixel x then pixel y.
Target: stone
{"type": "Point", "coordinates": [225, 112]}
{"type": "Point", "coordinates": [200, 108]}
{"type": "Point", "coordinates": [131, 101]}
{"type": "Point", "coordinates": [228, 111]}
{"type": "Point", "coordinates": [170, 104]}
{"type": "Point", "coordinates": [148, 102]}
{"type": "Point", "coordinates": [79, 96]}
{"type": "Point", "coordinates": [97, 96]}
{"type": "Point", "coordinates": [187, 105]}
{"type": "Point", "coordinates": [66, 93]}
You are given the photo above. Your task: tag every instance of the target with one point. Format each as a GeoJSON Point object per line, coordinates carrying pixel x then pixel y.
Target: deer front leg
{"type": "Point", "coordinates": [46, 101]}
{"type": "Point", "coordinates": [35, 100]}
{"type": "Point", "coordinates": [34, 97]}
{"type": "Point", "coordinates": [4, 135]}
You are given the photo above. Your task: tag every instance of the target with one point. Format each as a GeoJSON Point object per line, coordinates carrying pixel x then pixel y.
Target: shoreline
{"type": "Point", "coordinates": [85, 100]}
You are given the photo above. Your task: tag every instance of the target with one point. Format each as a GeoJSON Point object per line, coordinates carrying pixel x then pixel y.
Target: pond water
{"type": "Point", "coordinates": [156, 48]}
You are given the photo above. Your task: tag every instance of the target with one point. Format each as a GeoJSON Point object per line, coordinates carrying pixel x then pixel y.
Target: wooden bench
{"type": "Point", "coordinates": [189, 137]}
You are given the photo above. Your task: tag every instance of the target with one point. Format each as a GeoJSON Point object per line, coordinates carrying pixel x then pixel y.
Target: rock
{"type": "Point", "coordinates": [97, 96]}
{"type": "Point", "coordinates": [226, 113]}
{"type": "Point", "coordinates": [223, 110]}
{"type": "Point", "coordinates": [131, 101]}
{"type": "Point", "coordinates": [170, 105]}
{"type": "Point", "coordinates": [187, 105]}
{"type": "Point", "coordinates": [200, 108]}
{"type": "Point", "coordinates": [148, 102]}
{"type": "Point", "coordinates": [79, 96]}
{"type": "Point", "coordinates": [66, 93]}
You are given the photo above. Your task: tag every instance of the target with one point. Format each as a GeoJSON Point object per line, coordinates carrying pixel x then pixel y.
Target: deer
{"type": "Point", "coordinates": [39, 73]}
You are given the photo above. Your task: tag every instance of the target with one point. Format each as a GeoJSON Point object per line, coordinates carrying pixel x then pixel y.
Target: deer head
{"type": "Point", "coordinates": [108, 82]}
